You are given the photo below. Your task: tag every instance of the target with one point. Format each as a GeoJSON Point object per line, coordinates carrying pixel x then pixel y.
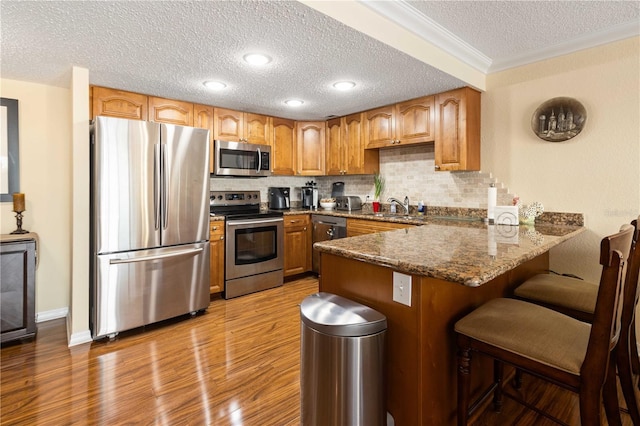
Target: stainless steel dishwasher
{"type": "Point", "coordinates": [326, 228]}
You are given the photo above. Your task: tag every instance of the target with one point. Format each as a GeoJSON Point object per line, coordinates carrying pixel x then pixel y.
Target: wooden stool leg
{"type": "Point", "coordinates": [610, 394]}
{"type": "Point", "coordinates": [625, 375]}
{"type": "Point", "coordinates": [464, 376]}
{"type": "Point", "coordinates": [517, 380]}
{"type": "Point", "coordinates": [498, 371]}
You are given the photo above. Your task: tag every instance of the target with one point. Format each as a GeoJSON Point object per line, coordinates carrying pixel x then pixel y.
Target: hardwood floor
{"type": "Point", "coordinates": [236, 364]}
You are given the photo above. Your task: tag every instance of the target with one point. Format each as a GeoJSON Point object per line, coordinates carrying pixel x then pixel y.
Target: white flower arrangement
{"type": "Point", "coordinates": [528, 212]}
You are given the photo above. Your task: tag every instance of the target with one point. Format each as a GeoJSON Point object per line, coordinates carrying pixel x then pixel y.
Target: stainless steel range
{"type": "Point", "coordinates": [254, 248]}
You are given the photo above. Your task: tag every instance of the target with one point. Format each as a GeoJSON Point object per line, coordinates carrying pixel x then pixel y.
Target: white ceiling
{"type": "Point", "coordinates": [169, 49]}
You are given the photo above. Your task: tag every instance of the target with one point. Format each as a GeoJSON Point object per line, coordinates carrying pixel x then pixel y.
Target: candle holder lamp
{"type": "Point", "coordinates": [19, 224]}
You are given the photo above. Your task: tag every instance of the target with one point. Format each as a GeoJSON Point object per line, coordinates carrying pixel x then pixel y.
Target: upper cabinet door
{"type": "Point", "coordinates": [203, 119]}
{"type": "Point", "coordinates": [379, 127]}
{"type": "Point", "coordinates": [118, 103]}
{"type": "Point", "coordinates": [310, 148]}
{"type": "Point", "coordinates": [357, 160]}
{"type": "Point", "coordinates": [170, 111]}
{"type": "Point", "coordinates": [228, 125]}
{"type": "Point", "coordinates": [257, 128]}
{"type": "Point", "coordinates": [415, 121]}
{"type": "Point", "coordinates": [457, 144]}
{"type": "Point", "coordinates": [335, 149]}
{"type": "Point", "coordinates": [284, 146]}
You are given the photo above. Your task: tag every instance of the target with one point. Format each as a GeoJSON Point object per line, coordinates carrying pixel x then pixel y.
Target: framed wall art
{"type": "Point", "coordinates": [9, 149]}
{"type": "Point", "coordinates": [559, 119]}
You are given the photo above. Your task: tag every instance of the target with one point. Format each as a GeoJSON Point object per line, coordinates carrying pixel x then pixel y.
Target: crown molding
{"type": "Point", "coordinates": [405, 15]}
{"type": "Point", "coordinates": [610, 35]}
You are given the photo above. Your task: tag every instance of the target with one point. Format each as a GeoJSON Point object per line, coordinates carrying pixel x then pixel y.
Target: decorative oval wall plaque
{"type": "Point", "coordinates": [558, 119]}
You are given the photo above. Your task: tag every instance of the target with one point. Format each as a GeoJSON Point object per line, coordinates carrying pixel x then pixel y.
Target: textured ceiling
{"type": "Point", "coordinates": [169, 49]}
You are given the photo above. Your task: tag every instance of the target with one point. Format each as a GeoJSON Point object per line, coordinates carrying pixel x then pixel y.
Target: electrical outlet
{"type": "Point", "coordinates": [402, 288]}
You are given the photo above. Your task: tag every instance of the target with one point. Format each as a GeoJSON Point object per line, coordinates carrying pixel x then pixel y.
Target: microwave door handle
{"type": "Point", "coordinates": [259, 161]}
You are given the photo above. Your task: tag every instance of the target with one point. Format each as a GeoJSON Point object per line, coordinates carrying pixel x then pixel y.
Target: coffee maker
{"type": "Point", "coordinates": [309, 195]}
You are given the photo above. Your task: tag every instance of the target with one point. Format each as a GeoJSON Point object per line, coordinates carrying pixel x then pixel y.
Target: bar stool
{"type": "Point", "coordinates": [551, 345]}
{"type": "Point", "coordinates": [577, 298]}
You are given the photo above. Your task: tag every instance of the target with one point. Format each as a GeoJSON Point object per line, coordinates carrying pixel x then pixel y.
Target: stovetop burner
{"type": "Point", "coordinates": [238, 205]}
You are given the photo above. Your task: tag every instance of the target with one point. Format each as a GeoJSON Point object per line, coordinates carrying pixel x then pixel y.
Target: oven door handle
{"type": "Point", "coordinates": [253, 221]}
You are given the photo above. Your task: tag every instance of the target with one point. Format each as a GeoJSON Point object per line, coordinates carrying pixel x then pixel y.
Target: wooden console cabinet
{"type": "Point", "coordinates": [17, 287]}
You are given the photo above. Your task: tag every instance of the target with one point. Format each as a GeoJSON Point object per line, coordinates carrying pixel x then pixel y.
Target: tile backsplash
{"type": "Point", "coordinates": [408, 171]}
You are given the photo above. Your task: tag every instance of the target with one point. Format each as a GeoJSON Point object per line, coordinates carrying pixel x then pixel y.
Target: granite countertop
{"type": "Point", "coordinates": [465, 252]}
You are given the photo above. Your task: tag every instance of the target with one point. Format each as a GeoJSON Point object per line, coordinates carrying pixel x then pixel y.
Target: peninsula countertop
{"type": "Point", "coordinates": [465, 252]}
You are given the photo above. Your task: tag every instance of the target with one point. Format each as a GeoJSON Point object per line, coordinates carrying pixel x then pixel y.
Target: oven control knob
{"type": "Point", "coordinates": [219, 197]}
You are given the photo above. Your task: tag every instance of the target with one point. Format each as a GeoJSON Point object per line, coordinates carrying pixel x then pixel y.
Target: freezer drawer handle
{"type": "Point", "coordinates": [156, 256]}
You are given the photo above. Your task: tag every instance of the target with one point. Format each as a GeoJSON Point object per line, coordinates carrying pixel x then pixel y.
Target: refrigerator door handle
{"type": "Point", "coordinates": [165, 185]}
{"type": "Point", "coordinates": [156, 185]}
{"type": "Point", "coordinates": [156, 256]}
{"type": "Point", "coordinates": [259, 161]}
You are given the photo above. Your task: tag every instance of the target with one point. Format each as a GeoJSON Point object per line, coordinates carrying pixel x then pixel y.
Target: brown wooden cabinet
{"type": "Point", "coordinates": [170, 111]}
{"type": "Point", "coordinates": [283, 146]}
{"type": "Point", "coordinates": [238, 126]}
{"type": "Point", "coordinates": [297, 244]}
{"type": "Point", "coordinates": [216, 267]}
{"type": "Point", "coordinates": [203, 119]}
{"type": "Point", "coordinates": [310, 148]}
{"type": "Point", "coordinates": [335, 150]}
{"type": "Point", "coordinates": [17, 287]}
{"type": "Point", "coordinates": [357, 227]}
{"type": "Point", "coordinates": [415, 121]}
{"type": "Point", "coordinates": [405, 123]}
{"type": "Point", "coordinates": [379, 127]}
{"type": "Point", "coordinates": [345, 147]}
{"type": "Point", "coordinates": [457, 143]}
{"type": "Point", "coordinates": [118, 103]}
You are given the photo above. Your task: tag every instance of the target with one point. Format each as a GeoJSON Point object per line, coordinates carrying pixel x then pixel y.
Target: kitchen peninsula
{"type": "Point", "coordinates": [455, 266]}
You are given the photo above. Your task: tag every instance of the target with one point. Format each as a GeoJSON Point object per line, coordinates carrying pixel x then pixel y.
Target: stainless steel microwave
{"type": "Point", "coordinates": [241, 159]}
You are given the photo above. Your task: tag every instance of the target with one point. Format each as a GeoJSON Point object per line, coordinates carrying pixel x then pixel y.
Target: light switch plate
{"type": "Point", "coordinates": [402, 288]}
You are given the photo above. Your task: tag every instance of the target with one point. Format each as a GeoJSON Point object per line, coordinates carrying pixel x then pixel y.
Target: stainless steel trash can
{"type": "Point", "coordinates": [342, 377]}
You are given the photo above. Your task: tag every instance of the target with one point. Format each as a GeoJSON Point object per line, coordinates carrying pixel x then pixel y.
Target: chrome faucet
{"type": "Point", "coordinates": [398, 202]}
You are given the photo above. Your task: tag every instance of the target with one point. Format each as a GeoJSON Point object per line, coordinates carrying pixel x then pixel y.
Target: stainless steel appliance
{"type": "Point", "coordinates": [326, 228]}
{"type": "Point", "coordinates": [279, 198]}
{"type": "Point", "coordinates": [348, 203]}
{"type": "Point", "coordinates": [149, 223]}
{"type": "Point", "coordinates": [254, 242]}
{"type": "Point", "coordinates": [337, 189]}
{"type": "Point", "coordinates": [241, 159]}
{"type": "Point", "coordinates": [309, 197]}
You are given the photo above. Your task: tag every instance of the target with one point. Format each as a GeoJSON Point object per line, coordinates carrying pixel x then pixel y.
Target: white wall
{"type": "Point", "coordinates": [596, 173]}
{"type": "Point", "coordinates": [45, 178]}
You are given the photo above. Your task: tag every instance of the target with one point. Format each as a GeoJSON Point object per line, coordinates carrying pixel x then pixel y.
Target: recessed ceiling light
{"type": "Point", "coordinates": [294, 102]}
{"type": "Point", "coordinates": [344, 85]}
{"type": "Point", "coordinates": [256, 59]}
{"type": "Point", "coordinates": [214, 85]}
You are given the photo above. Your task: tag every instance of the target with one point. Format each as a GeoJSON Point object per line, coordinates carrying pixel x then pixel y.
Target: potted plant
{"type": "Point", "coordinates": [378, 182]}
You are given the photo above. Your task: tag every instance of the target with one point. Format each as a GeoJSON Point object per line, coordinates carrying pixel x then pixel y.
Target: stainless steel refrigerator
{"type": "Point", "coordinates": [149, 223]}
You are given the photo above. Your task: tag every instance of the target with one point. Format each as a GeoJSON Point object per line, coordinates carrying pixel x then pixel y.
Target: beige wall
{"type": "Point", "coordinates": [45, 178]}
{"type": "Point", "coordinates": [596, 173]}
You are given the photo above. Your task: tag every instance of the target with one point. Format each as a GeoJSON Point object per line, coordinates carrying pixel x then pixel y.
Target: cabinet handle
{"type": "Point", "coordinates": [437, 167]}
{"type": "Point", "coordinates": [215, 228]}
{"type": "Point", "coordinates": [222, 238]}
